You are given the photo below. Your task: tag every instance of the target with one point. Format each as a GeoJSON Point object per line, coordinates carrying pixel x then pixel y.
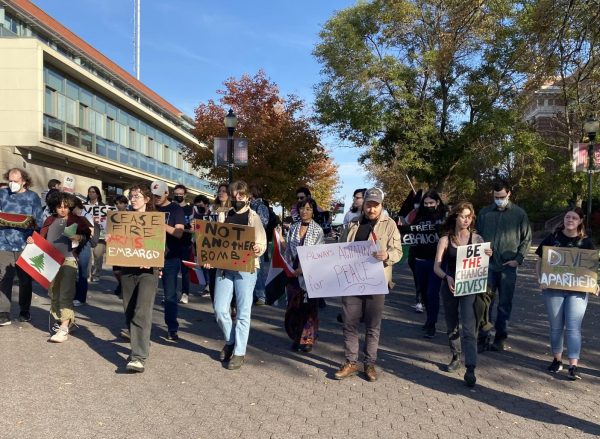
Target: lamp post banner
{"type": "Point", "coordinates": [580, 157]}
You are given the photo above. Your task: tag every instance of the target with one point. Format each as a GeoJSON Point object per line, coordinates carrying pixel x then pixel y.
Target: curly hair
{"type": "Point", "coordinates": [58, 199]}
{"type": "Point", "coordinates": [144, 189]}
{"type": "Point", "coordinates": [24, 175]}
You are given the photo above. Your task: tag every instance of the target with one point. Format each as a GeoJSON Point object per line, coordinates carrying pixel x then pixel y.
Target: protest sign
{"type": "Point", "coordinates": [471, 269]}
{"type": "Point", "coordinates": [420, 234]}
{"type": "Point", "coordinates": [569, 268]}
{"type": "Point", "coordinates": [342, 269]}
{"type": "Point", "coordinates": [136, 239]}
{"type": "Point", "coordinates": [98, 214]}
{"type": "Point", "coordinates": [68, 184]}
{"type": "Point", "coordinates": [226, 246]}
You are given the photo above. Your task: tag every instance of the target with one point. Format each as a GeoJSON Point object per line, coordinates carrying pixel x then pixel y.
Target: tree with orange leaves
{"type": "Point", "coordinates": [284, 151]}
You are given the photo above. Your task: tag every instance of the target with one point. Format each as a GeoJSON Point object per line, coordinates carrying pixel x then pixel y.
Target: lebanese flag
{"type": "Point", "coordinates": [41, 260]}
{"type": "Point", "coordinates": [279, 271]}
{"type": "Point", "coordinates": [196, 273]}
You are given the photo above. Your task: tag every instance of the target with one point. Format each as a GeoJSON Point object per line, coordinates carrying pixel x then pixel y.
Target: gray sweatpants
{"type": "Point", "coordinates": [352, 310]}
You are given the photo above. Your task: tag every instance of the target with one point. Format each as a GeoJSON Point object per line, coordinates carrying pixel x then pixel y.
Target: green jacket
{"type": "Point", "coordinates": [507, 230]}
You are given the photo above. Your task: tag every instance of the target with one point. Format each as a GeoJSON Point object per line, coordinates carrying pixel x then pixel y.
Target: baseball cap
{"type": "Point", "coordinates": [374, 194]}
{"type": "Point", "coordinates": [159, 188]}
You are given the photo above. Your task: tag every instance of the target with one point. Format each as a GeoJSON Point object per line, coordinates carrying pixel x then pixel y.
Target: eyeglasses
{"type": "Point", "coordinates": [136, 197]}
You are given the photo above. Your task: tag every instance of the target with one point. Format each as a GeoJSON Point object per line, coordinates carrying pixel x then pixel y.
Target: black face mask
{"type": "Point", "coordinates": [178, 198]}
{"type": "Point", "coordinates": [239, 205]}
{"type": "Point", "coordinates": [200, 210]}
{"type": "Point", "coordinates": [430, 209]}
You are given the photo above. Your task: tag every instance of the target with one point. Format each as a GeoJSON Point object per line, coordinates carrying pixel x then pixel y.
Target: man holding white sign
{"type": "Point", "coordinates": [375, 226]}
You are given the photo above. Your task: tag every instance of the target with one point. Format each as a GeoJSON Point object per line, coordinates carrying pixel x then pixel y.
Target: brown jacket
{"type": "Point", "coordinates": [388, 239]}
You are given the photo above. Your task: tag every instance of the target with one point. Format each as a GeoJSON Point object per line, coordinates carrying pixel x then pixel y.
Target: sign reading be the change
{"type": "Point", "coordinates": [343, 269]}
{"type": "Point", "coordinates": [136, 239]}
{"type": "Point", "coordinates": [569, 268]}
{"type": "Point", "coordinates": [226, 246]}
{"type": "Point", "coordinates": [471, 269]}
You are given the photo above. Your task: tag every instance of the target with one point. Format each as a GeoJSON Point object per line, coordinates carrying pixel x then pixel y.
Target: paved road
{"type": "Point", "coordinates": [79, 389]}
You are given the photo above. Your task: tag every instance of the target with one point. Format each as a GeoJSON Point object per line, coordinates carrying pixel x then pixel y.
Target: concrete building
{"type": "Point", "coordinates": [67, 110]}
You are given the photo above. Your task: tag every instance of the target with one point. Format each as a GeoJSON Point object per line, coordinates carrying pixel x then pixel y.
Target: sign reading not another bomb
{"type": "Point", "coordinates": [226, 246]}
{"type": "Point", "coordinates": [135, 239]}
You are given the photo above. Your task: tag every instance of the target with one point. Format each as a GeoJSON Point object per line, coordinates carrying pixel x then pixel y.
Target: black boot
{"type": "Point", "coordinates": [470, 378]}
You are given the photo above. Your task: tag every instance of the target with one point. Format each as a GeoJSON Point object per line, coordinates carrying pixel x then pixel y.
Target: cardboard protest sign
{"type": "Point", "coordinates": [342, 269]}
{"type": "Point", "coordinates": [136, 239]}
{"type": "Point", "coordinates": [471, 269]}
{"type": "Point", "coordinates": [569, 268]}
{"type": "Point", "coordinates": [97, 214]}
{"type": "Point", "coordinates": [226, 246]}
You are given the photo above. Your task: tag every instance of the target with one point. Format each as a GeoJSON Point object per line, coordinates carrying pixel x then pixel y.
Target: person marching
{"type": "Point", "coordinates": [373, 224]}
{"type": "Point", "coordinates": [138, 286]}
{"type": "Point", "coordinates": [457, 230]}
{"type": "Point", "coordinates": [236, 336]}
{"type": "Point", "coordinates": [565, 308]}
{"type": "Point", "coordinates": [301, 317]}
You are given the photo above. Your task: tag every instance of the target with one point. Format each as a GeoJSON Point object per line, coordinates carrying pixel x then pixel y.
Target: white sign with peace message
{"type": "Point", "coordinates": [471, 269]}
{"type": "Point", "coordinates": [342, 269]}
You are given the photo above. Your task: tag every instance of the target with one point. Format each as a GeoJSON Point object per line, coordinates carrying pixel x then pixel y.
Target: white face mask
{"type": "Point", "coordinates": [14, 186]}
{"type": "Point", "coordinates": [501, 203]}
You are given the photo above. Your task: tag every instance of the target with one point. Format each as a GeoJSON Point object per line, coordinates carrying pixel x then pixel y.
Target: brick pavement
{"type": "Point", "coordinates": [79, 389]}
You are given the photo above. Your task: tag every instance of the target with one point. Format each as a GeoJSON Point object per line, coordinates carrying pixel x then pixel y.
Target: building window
{"type": "Point", "coordinates": [87, 143]}
{"type": "Point", "coordinates": [72, 136]}
{"type": "Point", "coordinates": [101, 146]}
{"type": "Point", "coordinates": [54, 80]}
{"type": "Point", "coordinates": [56, 129]}
{"type": "Point", "coordinates": [49, 102]}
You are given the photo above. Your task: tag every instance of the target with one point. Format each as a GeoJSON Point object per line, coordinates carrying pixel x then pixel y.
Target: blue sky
{"type": "Point", "coordinates": [189, 47]}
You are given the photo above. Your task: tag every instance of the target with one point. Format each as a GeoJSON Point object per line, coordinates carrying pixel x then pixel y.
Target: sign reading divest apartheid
{"type": "Point", "coordinates": [569, 268]}
{"type": "Point", "coordinates": [471, 269]}
{"type": "Point", "coordinates": [342, 269]}
{"type": "Point", "coordinates": [98, 213]}
{"type": "Point", "coordinates": [137, 239]}
{"type": "Point", "coordinates": [226, 246]}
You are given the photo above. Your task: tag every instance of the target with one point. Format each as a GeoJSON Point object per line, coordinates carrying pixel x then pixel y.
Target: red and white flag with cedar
{"type": "Point", "coordinates": [279, 271]}
{"type": "Point", "coordinates": [196, 273]}
{"type": "Point", "coordinates": [40, 260]}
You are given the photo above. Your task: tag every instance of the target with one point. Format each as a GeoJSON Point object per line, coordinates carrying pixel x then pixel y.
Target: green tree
{"type": "Point", "coordinates": [37, 262]}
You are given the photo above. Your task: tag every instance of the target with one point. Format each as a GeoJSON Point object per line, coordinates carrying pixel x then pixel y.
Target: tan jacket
{"type": "Point", "coordinates": [260, 235]}
{"type": "Point", "coordinates": [388, 239]}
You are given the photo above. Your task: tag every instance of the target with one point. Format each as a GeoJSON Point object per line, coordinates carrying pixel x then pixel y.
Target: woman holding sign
{"type": "Point", "coordinates": [458, 230]}
{"type": "Point", "coordinates": [301, 317]}
{"type": "Point", "coordinates": [236, 336]}
{"type": "Point", "coordinates": [138, 285]}
{"type": "Point", "coordinates": [566, 308]}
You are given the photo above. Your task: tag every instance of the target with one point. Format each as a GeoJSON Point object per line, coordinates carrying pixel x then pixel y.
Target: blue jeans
{"type": "Point", "coordinates": [565, 314]}
{"type": "Point", "coordinates": [503, 283]}
{"type": "Point", "coordinates": [81, 287]}
{"type": "Point", "coordinates": [169, 281]}
{"type": "Point", "coordinates": [261, 275]}
{"type": "Point", "coordinates": [243, 283]}
{"type": "Point", "coordinates": [429, 283]}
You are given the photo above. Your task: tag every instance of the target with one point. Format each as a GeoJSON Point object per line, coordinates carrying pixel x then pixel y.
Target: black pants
{"type": "Point", "coordinates": [352, 310]}
{"type": "Point", "coordinates": [463, 305]}
{"type": "Point", "coordinates": [8, 269]}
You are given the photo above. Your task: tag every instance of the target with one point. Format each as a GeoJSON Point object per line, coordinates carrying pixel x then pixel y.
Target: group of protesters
{"type": "Point", "coordinates": [432, 232]}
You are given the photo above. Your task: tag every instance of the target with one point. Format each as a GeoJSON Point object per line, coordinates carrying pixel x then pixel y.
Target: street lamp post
{"type": "Point", "coordinates": [591, 127]}
{"type": "Point", "coordinates": [230, 122]}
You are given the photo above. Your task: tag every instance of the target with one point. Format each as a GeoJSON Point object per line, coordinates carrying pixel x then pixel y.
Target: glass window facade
{"type": "Point", "coordinates": [81, 118]}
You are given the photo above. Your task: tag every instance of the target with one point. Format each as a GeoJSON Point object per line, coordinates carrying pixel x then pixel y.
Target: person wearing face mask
{"type": "Point", "coordinates": [187, 251]}
{"type": "Point", "coordinates": [372, 225]}
{"type": "Point", "coordinates": [228, 281]}
{"type": "Point", "coordinates": [506, 226]}
{"type": "Point", "coordinates": [423, 235]}
{"type": "Point", "coordinates": [17, 198]}
{"type": "Point", "coordinates": [175, 220]}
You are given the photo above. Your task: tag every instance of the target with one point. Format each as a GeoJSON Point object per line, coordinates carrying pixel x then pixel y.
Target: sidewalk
{"type": "Point", "coordinates": [79, 389]}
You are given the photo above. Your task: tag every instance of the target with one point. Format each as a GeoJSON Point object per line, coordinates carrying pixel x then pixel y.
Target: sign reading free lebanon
{"type": "Point", "coordinates": [569, 268]}
{"type": "Point", "coordinates": [135, 239]}
{"type": "Point", "coordinates": [342, 269]}
{"type": "Point", "coordinates": [471, 269]}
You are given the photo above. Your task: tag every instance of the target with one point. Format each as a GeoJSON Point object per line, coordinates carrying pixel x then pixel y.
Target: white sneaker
{"type": "Point", "coordinates": [419, 307]}
{"type": "Point", "coordinates": [60, 336]}
{"type": "Point", "coordinates": [184, 298]}
{"type": "Point", "coordinates": [135, 366]}
{"type": "Point", "coordinates": [77, 303]}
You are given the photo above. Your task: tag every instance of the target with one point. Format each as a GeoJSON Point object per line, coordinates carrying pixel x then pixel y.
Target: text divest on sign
{"type": "Point", "coordinates": [471, 269]}
{"type": "Point", "coordinates": [224, 245]}
{"type": "Point", "coordinates": [569, 268]}
{"type": "Point", "coordinates": [135, 239]}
